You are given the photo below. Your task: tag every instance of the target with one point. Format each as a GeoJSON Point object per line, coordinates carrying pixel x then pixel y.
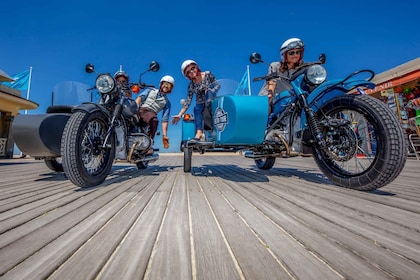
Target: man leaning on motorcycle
{"type": "Point", "coordinates": [151, 102]}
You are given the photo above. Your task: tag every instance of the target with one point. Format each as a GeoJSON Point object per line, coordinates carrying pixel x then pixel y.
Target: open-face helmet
{"type": "Point", "coordinates": [290, 44]}
{"type": "Point", "coordinates": [185, 64]}
{"type": "Point", "coordinates": [120, 73]}
{"type": "Point", "coordinates": [168, 79]}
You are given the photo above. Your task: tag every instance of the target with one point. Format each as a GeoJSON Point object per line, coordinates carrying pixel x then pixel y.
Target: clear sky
{"type": "Point", "coordinates": [58, 38]}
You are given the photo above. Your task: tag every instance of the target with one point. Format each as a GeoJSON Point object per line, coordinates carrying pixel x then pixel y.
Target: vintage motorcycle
{"type": "Point", "coordinates": [355, 139]}
{"type": "Point", "coordinates": [84, 140]}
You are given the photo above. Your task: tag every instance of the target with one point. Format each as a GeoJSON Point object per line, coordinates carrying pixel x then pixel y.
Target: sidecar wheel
{"type": "Point", "coordinates": [187, 159]}
{"type": "Point", "coordinates": [85, 161]}
{"type": "Point", "coordinates": [142, 164]}
{"type": "Point", "coordinates": [54, 164]}
{"type": "Point", "coordinates": [265, 164]}
{"type": "Point", "coordinates": [182, 145]}
{"type": "Point", "coordinates": [370, 151]}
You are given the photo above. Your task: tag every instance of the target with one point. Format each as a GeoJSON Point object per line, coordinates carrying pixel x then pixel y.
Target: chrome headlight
{"type": "Point", "coordinates": [105, 83]}
{"type": "Point", "coordinates": [316, 74]}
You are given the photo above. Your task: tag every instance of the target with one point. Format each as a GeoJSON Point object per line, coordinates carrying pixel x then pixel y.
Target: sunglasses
{"type": "Point", "coordinates": [166, 84]}
{"type": "Point", "coordinates": [294, 52]}
{"type": "Point", "coordinates": [191, 69]}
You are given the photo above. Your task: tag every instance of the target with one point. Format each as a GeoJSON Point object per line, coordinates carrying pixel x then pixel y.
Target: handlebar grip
{"type": "Point", "coordinates": [258, 79]}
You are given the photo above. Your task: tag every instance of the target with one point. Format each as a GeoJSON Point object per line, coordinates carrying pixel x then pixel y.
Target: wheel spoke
{"type": "Point", "coordinates": [92, 153]}
{"type": "Point", "coordinates": [353, 147]}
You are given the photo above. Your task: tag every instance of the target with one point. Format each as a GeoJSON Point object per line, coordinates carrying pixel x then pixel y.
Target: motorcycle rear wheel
{"type": "Point", "coordinates": [54, 164]}
{"type": "Point", "coordinates": [85, 162]}
{"type": "Point", "coordinates": [367, 154]}
{"type": "Point", "coordinates": [142, 164]}
{"type": "Point", "coordinates": [265, 164]}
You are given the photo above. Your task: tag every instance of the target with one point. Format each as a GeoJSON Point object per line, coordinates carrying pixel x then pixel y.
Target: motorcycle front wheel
{"type": "Point", "coordinates": [366, 145]}
{"type": "Point", "coordinates": [86, 162]}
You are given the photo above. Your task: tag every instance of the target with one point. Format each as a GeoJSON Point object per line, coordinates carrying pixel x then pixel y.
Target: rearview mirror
{"type": "Point", "coordinates": [89, 68]}
{"type": "Point", "coordinates": [154, 66]}
{"type": "Point", "coordinates": [322, 58]}
{"type": "Point", "coordinates": [255, 58]}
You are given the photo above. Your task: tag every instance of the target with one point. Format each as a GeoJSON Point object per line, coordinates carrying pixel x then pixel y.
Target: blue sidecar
{"type": "Point", "coordinates": [238, 121]}
{"type": "Point", "coordinates": [355, 139]}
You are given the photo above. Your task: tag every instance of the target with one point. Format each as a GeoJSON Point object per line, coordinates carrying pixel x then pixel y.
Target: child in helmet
{"type": "Point", "coordinates": [151, 102]}
{"type": "Point", "coordinates": [200, 82]}
{"type": "Point", "coordinates": [291, 56]}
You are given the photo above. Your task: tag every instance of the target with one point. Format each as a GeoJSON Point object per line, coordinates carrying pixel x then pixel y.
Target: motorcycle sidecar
{"type": "Point", "coordinates": [238, 122]}
{"type": "Point", "coordinates": [39, 135]}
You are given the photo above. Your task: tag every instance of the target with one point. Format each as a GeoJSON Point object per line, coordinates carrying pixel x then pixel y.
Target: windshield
{"type": "Point", "coordinates": [71, 93]}
{"type": "Point", "coordinates": [227, 87]}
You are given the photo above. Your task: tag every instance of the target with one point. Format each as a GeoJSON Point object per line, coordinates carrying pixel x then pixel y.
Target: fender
{"type": "Point", "coordinates": [330, 90]}
{"type": "Point", "coordinates": [90, 107]}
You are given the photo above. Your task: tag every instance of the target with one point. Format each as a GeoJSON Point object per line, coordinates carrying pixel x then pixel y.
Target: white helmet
{"type": "Point", "coordinates": [168, 79]}
{"type": "Point", "coordinates": [185, 65]}
{"type": "Point", "coordinates": [292, 43]}
{"type": "Point", "coordinates": [120, 73]}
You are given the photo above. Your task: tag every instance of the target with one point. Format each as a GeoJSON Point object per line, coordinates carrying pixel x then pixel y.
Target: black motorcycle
{"type": "Point", "coordinates": [84, 140]}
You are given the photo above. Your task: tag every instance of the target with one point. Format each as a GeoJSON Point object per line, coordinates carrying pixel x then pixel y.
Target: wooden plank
{"type": "Point", "coordinates": [407, 264]}
{"type": "Point", "coordinates": [285, 248]}
{"type": "Point", "coordinates": [103, 244]}
{"type": "Point", "coordinates": [225, 220]}
{"type": "Point", "coordinates": [92, 216]}
{"type": "Point", "coordinates": [212, 254]}
{"type": "Point", "coordinates": [171, 258]}
{"type": "Point", "coordinates": [49, 227]}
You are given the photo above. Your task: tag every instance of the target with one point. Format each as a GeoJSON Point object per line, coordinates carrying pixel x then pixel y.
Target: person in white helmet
{"type": "Point", "coordinates": [291, 56]}
{"type": "Point", "coordinates": [122, 79]}
{"type": "Point", "coordinates": [151, 102]}
{"type": "Point", "coordinates": [200, 82]}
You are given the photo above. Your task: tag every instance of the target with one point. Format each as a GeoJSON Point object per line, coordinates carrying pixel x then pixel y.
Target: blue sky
{"type": "Point", "coordinates": [58, 39]}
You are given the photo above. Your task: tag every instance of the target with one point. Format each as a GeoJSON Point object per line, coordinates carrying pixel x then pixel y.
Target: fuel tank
{"type": "Point", "coordinates": [39, 135]}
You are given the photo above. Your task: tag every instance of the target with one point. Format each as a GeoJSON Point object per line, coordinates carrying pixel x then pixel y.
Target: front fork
{"type": "Point", "coordinates": [115, 115]}
{"type": "Point", "coordinates": [313, 123]}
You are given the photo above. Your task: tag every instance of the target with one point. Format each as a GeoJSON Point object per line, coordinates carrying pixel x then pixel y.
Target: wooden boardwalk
{"type": "Point", "coordinates": [225, 220]}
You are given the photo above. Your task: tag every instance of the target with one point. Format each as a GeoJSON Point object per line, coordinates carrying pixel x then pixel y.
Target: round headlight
{"type": "Point", "coordinates": [316, 74]}
{"type": "Point", "coordinates": [105, 83]}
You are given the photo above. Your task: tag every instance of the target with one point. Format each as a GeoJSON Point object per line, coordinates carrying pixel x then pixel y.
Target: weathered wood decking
{"type": "Point", "coordinates": [225, 220]}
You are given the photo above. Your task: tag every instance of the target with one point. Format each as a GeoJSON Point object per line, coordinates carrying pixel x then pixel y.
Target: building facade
{"type": "Point", "coordinates": [10, 104]}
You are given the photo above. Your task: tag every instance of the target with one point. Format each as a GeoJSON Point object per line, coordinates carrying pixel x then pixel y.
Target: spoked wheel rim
{"type": "Point", "coordinates": [351, 148]}
{"type": "Point", "coordinates": [94, 157]}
